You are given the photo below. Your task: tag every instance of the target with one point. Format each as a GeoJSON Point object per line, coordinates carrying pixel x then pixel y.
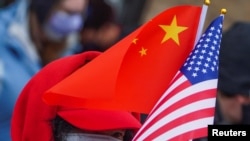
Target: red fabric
{"type": "Point", "coordinates": [32, 117]}
{"type": "Point", "coordinates": [126, 77]}
{"type": "Point", "coordinates": [99, 120]}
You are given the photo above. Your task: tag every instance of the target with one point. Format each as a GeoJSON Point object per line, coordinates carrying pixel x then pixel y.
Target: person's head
{"type": "Point", "coordinates": [58, 18]}
{"type": "Point", "coordinates": [52, 23]}
{"type": "Point", "coordinates": [33, 119]}
{"type": "Point", "coordinates": [100, 29]}
{"type": "Point", "coordinates": [234, 73]}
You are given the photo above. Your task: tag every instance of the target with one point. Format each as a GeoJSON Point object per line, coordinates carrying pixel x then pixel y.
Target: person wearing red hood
{"type": "Point", "coordinates": [34, 120]}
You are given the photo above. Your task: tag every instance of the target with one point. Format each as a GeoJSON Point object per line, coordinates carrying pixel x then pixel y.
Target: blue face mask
{"type": "Point", "coordinates": [62, 24]}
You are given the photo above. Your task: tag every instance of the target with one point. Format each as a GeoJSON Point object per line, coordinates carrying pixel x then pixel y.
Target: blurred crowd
{"type": "Point", "coordinates": [34, 33]}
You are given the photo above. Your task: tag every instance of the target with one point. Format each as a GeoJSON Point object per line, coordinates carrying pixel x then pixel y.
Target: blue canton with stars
{"type": "Point", "coordinates": [202, 64]}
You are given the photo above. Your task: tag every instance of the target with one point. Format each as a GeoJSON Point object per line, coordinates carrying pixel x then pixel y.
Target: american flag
{"type": "Point", "coordinates": [187, 107]}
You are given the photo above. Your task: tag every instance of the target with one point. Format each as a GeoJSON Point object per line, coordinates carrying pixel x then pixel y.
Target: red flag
{"type": "Point", "coordinates": [187, 107]}
{"type": "Point", "coordinates": [133, 73]}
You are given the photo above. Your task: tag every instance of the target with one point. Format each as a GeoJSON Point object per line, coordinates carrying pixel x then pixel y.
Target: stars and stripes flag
{"type": "Point", "coordinates": [187, 107]}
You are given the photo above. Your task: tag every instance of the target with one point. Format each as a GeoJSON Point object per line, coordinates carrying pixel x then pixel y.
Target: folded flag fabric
{"type": "Point", "coordinates": [134, 73]}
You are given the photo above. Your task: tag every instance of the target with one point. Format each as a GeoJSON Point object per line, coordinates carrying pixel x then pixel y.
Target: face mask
{"type": "Point", "coordinates": [89, 137]}
{"type": "Point", "coordinates": [246, 114]}
{"type": "Point", "coordinates": [62, 24]}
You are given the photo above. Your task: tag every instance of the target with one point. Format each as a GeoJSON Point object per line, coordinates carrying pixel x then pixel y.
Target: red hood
{"type": "Point", "coordinates": [32, 117]}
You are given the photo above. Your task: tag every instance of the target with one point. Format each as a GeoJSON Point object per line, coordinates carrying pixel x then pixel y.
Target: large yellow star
{"type": "Point", "coordinates": [172, 31]}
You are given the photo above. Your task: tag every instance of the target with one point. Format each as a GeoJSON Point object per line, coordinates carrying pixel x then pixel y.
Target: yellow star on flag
{"type": "Point", "coordinates": [143, 51]}
{"type": "Point", "coordinates": [135, 40]}
{"type": "Point", "coordinates": [172, 31]}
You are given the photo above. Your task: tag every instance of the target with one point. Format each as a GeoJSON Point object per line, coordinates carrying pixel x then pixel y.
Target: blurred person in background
{"type": "Point", "coordinates": [101, 30]}
{"type": "Point", "coordinates": [34, 120]}
{"type": "Point", "coordinates": [233, 96]}
{"type": "Point", "coordinates": [33, 33]}
{"type": "Point", "coordinates": [129, 13]}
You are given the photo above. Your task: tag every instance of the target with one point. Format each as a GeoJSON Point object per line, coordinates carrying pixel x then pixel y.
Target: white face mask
{"type": "Point", "coordinates": [89, 137]}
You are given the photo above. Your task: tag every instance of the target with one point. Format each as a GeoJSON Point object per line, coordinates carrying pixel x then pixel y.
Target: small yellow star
{"type": "Point", "coordinates": [135, 40]}
{"type": "Point", "coordinates": [143, 51]}
{"type": "Point", "coordinates": [172, 31]}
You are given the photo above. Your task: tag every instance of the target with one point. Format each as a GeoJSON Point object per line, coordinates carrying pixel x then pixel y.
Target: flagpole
{"type": "Point", "coordinates": [202, 20]}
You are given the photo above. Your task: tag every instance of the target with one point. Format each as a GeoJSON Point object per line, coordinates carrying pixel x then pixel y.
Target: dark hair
{"type": "Point", "coordinates": [60, 127]}
{"type": "Point", "coordinates": [234, 66]}
{"type": "Point", "coordinates": [99, 12]}
{"type": "Point", "coordinates": [42, 8]}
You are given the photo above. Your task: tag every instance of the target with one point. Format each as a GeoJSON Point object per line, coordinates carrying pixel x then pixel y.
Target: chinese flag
{"type": "Point", "coordinates": [134, 73]}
